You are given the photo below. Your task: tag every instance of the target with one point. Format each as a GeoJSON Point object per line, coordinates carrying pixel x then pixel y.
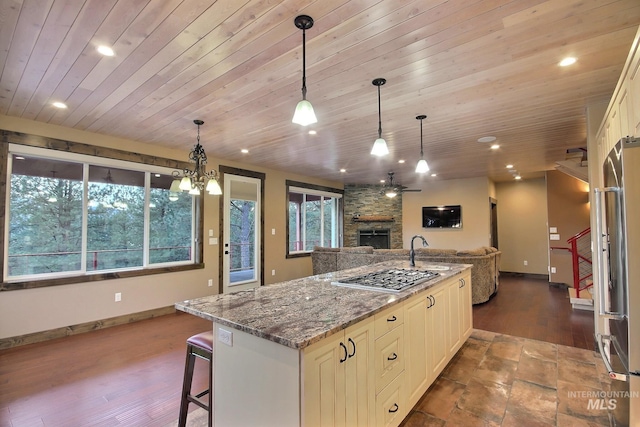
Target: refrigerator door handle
{"type": "Point", "coordinates": [600, 235]}
{"type": "Point", "coordinates": [607, 363]}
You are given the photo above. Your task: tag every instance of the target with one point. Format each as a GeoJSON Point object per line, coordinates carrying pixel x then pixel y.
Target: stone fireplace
{"type": "Point", "coordinates": [367, 210]}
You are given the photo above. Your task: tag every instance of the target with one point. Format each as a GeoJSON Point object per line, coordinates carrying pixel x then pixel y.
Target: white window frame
{"type": "Point", "coordinates": [335, 216]}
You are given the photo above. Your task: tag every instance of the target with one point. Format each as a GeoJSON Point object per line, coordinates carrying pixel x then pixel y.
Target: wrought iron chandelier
{"type": "Point", "coordinates": [196, 180]}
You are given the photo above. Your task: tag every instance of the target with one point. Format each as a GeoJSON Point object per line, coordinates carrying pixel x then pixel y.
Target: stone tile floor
{"type": "Point", "coordinates": [502, 380]}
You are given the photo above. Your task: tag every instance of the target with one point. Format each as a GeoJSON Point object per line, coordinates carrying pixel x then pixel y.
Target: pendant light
{"type": "Point", "coordinates": [304, 114]}
{"type": "Point", "coordinates": [422, 166]}
{"type": "Point", "coordinates": [196, 180]}
{"type": "Point", "coordinates": [380, 145]}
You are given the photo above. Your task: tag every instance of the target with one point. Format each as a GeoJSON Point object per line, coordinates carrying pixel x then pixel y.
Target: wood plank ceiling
{"type": "Point", "coordinates": [474, 67]}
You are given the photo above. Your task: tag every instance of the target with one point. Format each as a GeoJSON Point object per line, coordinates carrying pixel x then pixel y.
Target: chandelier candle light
{"type": "Point", "coordinates": [198, 179]}
{"type": "Point", "coordinates": [422, 166]}
{"type": "Point", "coordinates": [380, 145]}
{"type": "Point", "coordinates": [304, 114]}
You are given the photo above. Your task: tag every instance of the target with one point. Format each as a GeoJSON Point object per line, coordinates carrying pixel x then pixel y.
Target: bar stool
{"type": "Point", "coordinates": [200, 345]}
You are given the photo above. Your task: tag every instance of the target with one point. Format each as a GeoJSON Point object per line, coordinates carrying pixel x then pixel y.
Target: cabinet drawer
{"type": "Point", "coordinates": [391, 403]}
{"type": "Point", "coordinates": [388, 319]}
{"type": "Point", "coordinates": [389, 357]}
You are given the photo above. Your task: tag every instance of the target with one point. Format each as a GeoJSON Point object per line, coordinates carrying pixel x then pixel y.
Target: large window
{"type": "Point", "coordinates": [314, 218]}
{"type": "Point", "coordinates": [71, 215]}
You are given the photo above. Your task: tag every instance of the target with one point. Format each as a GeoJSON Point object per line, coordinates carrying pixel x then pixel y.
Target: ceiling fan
{"type": "Point", "coordinates": [391, 189]}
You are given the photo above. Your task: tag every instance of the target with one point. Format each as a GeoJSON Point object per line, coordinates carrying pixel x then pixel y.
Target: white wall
{"type": "Point", "coordinates": [472, 194]}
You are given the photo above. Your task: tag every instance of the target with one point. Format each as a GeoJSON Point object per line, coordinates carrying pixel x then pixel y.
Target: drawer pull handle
{"type": "Point", "coordinates": [392, 319]}
{"type": "Point", "coordinates": [354, 348]}
{"type": "Point", "coordinates": [394, 409]}
{"type": "Point", "coordinates": [392, 357]}
{"type": "Point", "coordinates": [344, 347]}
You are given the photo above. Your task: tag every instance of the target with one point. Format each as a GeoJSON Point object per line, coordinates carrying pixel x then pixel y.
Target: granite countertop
{"type": "Point", "coordinates": [299, 312]}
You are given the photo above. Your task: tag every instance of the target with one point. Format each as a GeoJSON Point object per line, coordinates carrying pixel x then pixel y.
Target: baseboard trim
{"type": "Point", "coordinates": [6, 343]}
{"type": "Point", "coordinates": [526, 275]}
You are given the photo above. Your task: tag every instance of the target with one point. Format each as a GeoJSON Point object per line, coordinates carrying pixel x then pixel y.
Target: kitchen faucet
{"type": "Point", "coordinates": [412, 253]}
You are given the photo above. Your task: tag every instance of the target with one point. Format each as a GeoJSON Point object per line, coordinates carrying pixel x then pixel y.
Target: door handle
{"type": "Point", "coordinates": [354, 348]}
{"type": "Point", "coordinates": [392, 319]}
{"type": "Point", "coordinates": [394, 408]}
{"type": "Point", "coordinates": [344, 347]}
{"type": "Point", "coordinates": [392, 357]}
{"type": "Point", "coordinates": [607, 363]}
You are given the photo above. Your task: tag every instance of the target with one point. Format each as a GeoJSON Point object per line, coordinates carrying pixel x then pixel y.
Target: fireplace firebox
{"type": "Point", "coordinates": [379, 239]}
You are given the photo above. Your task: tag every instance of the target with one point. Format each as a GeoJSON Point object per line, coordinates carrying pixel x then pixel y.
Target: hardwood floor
{"type": "Point", "coordinates": [131, 375]}
{"type": "Point", "coordinates": [530, 308]}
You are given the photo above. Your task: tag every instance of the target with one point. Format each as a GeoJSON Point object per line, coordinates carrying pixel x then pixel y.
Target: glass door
{"type": "Point", "coordinates": [242, 219]}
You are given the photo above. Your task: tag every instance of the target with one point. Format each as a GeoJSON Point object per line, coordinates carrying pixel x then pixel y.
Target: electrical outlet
{"type": "Point", "coordinates": [210, 282]}
{"type": "Point", "coordinates": [225, 337]}
{"type": "Point", "coordinates": [273, 272]}
{"type": "Point", "coordinates": [526, 262]}
{"type": "Point", "coordinates": [553, 269]}
{"type": "Point", "coordinates": [118, 296]}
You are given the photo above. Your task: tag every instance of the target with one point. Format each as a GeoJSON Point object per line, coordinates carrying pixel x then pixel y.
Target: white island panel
{"type": "Point", "coordinates": [256, 382]}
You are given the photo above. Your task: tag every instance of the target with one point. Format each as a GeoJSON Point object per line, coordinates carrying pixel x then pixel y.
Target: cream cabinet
{"type": "Point", "coordinates": [417, 351]}
{"type": "Point", "coordinates": [466, 312]}
{"type": "Point", "coordinates": [375, 371]}
{"type": "Point", "coordinates": [339, 382]}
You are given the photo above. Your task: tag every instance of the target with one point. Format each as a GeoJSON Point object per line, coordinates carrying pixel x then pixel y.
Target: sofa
{"type": "Point", "coordinates": [484, 273]}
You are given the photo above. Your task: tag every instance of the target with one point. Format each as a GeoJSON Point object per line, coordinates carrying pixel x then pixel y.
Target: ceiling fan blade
{"type": "Point", "coordinates": [412, 191]}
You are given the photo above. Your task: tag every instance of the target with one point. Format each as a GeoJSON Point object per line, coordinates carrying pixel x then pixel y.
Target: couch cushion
{"type": "Point", "coordinates": [401, 252]}
{"type": "Point", "coordinates": [434, 252]}
{"type": "Point", "coordinates": [325, 249]}
{"type": "Point", "coordinates": [358, 249]}
{"type": "Point", "coordinates": [472, 252]}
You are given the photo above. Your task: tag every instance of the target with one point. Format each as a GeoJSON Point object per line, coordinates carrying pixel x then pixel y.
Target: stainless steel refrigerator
{"type": "Point", "coordinates": [617, 210]}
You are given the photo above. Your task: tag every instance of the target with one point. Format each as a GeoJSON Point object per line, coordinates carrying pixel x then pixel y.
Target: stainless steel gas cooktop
{"type": "Point", "coordinates": [390, 280]}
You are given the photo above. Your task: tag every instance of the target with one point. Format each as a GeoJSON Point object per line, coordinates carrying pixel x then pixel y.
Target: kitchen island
{"type": "Point", "coordinates": [309, 352]}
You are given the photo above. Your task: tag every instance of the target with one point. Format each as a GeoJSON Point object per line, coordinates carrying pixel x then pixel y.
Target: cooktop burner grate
{"type": "Point", "coordinates": [391, 280]}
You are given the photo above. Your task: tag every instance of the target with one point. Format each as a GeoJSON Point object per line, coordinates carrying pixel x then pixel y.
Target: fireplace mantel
{"type": "Point", "coordinates": [373, 218]}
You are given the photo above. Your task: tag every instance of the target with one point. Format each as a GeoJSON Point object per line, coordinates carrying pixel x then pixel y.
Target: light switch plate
{"type": "Point", "coordinates": [554, 237]}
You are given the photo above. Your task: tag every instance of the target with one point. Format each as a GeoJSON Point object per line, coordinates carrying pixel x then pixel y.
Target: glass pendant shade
{"type": "Point", "coordinates": [173, 196]}
{"type": "Point", "coordinates": [380, 147]}
{"type": "Point", "coordinates": [422, 166]}
{"type": "Point", "coordinates": [195, 191]}
{"type": "Point", "coordinates": [213, 187]}
{"type": "Point", "coordinates": [175, 186]}
{"type": "Point", "coordinates": [391, 194]}
{"type": "Point", "coordinates": [304, 114]}
{"type": "Point", "coordinates": [185, 184]}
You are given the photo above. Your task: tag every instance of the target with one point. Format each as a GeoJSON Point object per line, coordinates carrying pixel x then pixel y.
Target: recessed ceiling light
{"type": "Point", "coordinates": [312, 132]}
{"type": "Point", "coordinates": [105, 50]}
{"type": "Point", "coordinates": [244, 151]}
{"type": "Point", "coordinates": [60, 105]}
{"type": "Point", "coordinates": [567, 61]}
{"type": "Point", "coordinates": [401, 161]}
{"type": "Point", "coordinates": [487, 139]}
{"type": "Point", "coordinates": [158, 175]}
{"type": "Point", "coordinates": [495, 146]}
{"type": "Point", "coordinates": [434, 174]}
{"type": "Point", "coordinates": [518, 177]}
{"type": "Point", "coordinates": [343, 170]}
{"type": "Point", "coordinates": [509, 166]}
{"type": "Point", "coordinates": [19, 158]}
{"type": "Point", "coordinates": [383, 181]}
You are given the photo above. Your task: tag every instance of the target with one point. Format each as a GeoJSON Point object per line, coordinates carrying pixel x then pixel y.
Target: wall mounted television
{"type": "Point", "coordinates": [442, 216]}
